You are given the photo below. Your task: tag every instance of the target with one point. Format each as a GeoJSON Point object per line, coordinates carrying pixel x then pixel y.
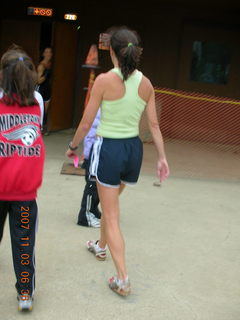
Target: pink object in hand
{"type": "Point", "coordinates": [76, 161]}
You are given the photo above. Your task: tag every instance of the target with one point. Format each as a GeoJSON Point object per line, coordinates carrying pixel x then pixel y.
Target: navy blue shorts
{"type": "Point", "coordinates": [116, 161]}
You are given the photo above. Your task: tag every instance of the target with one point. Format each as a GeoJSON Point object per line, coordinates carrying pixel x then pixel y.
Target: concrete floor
{"type": "Point", "coordinates": [182, 243]}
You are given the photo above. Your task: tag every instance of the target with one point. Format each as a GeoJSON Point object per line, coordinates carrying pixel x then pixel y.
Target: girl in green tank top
{"type": "Point", "coordinates": [116, 158]}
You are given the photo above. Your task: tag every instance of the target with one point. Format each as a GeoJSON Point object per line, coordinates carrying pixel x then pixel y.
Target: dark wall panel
{"type": "Point", "coordinates": [23, 33]}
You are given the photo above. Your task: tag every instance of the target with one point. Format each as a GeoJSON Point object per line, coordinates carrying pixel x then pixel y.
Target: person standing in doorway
{"type": "Point", "coordinates": [44, 73]}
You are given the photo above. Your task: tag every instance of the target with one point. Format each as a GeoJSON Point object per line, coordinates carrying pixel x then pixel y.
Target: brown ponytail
{"type": "Point", "coordinates": [125, 44]}
{"type": "Point", "coordinates": [18, 78]}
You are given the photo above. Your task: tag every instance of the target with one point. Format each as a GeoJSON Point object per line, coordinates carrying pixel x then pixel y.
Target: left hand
{"type": "Point", "coordinates": [162, 169]}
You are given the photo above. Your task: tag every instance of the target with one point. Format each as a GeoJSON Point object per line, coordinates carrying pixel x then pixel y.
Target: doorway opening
{"type": "Point", "coordinates": [45, 36]}
{"type": "Point", "coordinates": [44, 69]}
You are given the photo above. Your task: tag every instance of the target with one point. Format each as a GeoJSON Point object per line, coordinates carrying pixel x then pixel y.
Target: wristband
{"type": "Point", "coordinates": [72, 148]}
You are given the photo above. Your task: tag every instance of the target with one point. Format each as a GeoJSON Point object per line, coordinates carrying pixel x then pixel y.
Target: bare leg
{"type": "Point", "coordinates": [103, 241]}
{"type": "Point", "coordinates": [110, 228]}
{"type": "Point", "coordinates": [121, 188]}
{"type": "Point", "coordinates": [46, 105]}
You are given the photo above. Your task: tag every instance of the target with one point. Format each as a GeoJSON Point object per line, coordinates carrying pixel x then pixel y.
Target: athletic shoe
{"type": "Point", "coordinates": [121, 287]}
{"type": "Point", "coordinates": [92, 220]}
{"type": "Point", "coordinates": [97, 213]}
{"type": "Point", "coordinates": [100, 254]}
{"type": "Point", "coordinates": [25, 302]}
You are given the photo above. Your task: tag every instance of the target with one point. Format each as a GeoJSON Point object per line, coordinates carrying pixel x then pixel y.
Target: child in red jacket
{"type": "Point", "coordinates": [21, 165]}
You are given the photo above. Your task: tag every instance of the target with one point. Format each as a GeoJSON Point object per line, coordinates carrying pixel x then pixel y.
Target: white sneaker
{"type": "Point", "coordinates": [100, 254]}
{"type": "Point", "coordinates": [25, 302]}
{"type": "Point", "coordinates": [121, 287]}
{"type": "Point", "coordinates": [92, 220]}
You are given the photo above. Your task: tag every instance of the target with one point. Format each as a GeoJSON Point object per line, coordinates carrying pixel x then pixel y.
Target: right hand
{"type": "Point", "coordinates": [162, 169]}
{"type": "Point", "coordinates": [70, 154]}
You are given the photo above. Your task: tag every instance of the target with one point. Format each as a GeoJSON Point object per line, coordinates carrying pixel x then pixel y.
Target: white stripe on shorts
{"type": "Point", "coordinates": [93, 168]}
{"type": "Point", "coordinates": [131, 184]}
{"type": "Point", "coordinates": [95, 157]}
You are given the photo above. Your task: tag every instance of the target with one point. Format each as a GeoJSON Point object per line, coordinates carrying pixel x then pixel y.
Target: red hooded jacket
{"type": "Point", "coordinates": [21, 152]}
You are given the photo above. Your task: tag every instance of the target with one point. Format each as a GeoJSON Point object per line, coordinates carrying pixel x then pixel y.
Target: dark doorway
{"type": "Point", "coordinates": [63, 76]}
{"type": "Point", "coordinates": [45, 35]}
{"type": "Point", "coordinates": [62, 37]}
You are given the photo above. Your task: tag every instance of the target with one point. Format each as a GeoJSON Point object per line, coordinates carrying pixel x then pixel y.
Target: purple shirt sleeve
{"type": "Point", "coordinates": [91, 136]}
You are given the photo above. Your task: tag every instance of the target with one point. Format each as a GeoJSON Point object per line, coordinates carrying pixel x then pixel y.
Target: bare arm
{"type": "Point", "coordinates": [154, 125]}
{"type": "Point", "coordinates": [89, 114]}
{"type": "Point", "coordinates": [40, 71]}
{"type": "Point", "coordinates": [162, 166]}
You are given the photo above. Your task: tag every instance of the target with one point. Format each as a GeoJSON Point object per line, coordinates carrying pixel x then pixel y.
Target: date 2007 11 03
{"type": "Point", "coordinates": [25, 256]}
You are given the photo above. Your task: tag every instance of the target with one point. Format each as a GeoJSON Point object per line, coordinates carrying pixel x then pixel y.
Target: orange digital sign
{"type": "Point", "coordinates": [43, 12]}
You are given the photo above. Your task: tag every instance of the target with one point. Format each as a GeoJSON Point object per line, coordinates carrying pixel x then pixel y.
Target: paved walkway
{"type": "Point", "coordinates": [182, 242]}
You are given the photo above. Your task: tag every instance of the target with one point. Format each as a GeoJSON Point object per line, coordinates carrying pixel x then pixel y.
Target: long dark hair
{"type": "Point", "coordinates": [42, 53]}
{"type": "Point", "coordinates": [18, 78]}
{"type": "Point", "coordinates": [125, 44]}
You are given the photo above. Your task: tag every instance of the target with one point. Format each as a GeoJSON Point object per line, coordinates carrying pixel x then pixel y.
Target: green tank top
{"type": "Point", "coordinates": [120, 118]}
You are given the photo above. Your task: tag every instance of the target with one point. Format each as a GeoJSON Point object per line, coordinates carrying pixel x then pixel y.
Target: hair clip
{"type": "Point", "coordinates": [130, 44]}
{"type": "Point", "coordinates": [20, 59]}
